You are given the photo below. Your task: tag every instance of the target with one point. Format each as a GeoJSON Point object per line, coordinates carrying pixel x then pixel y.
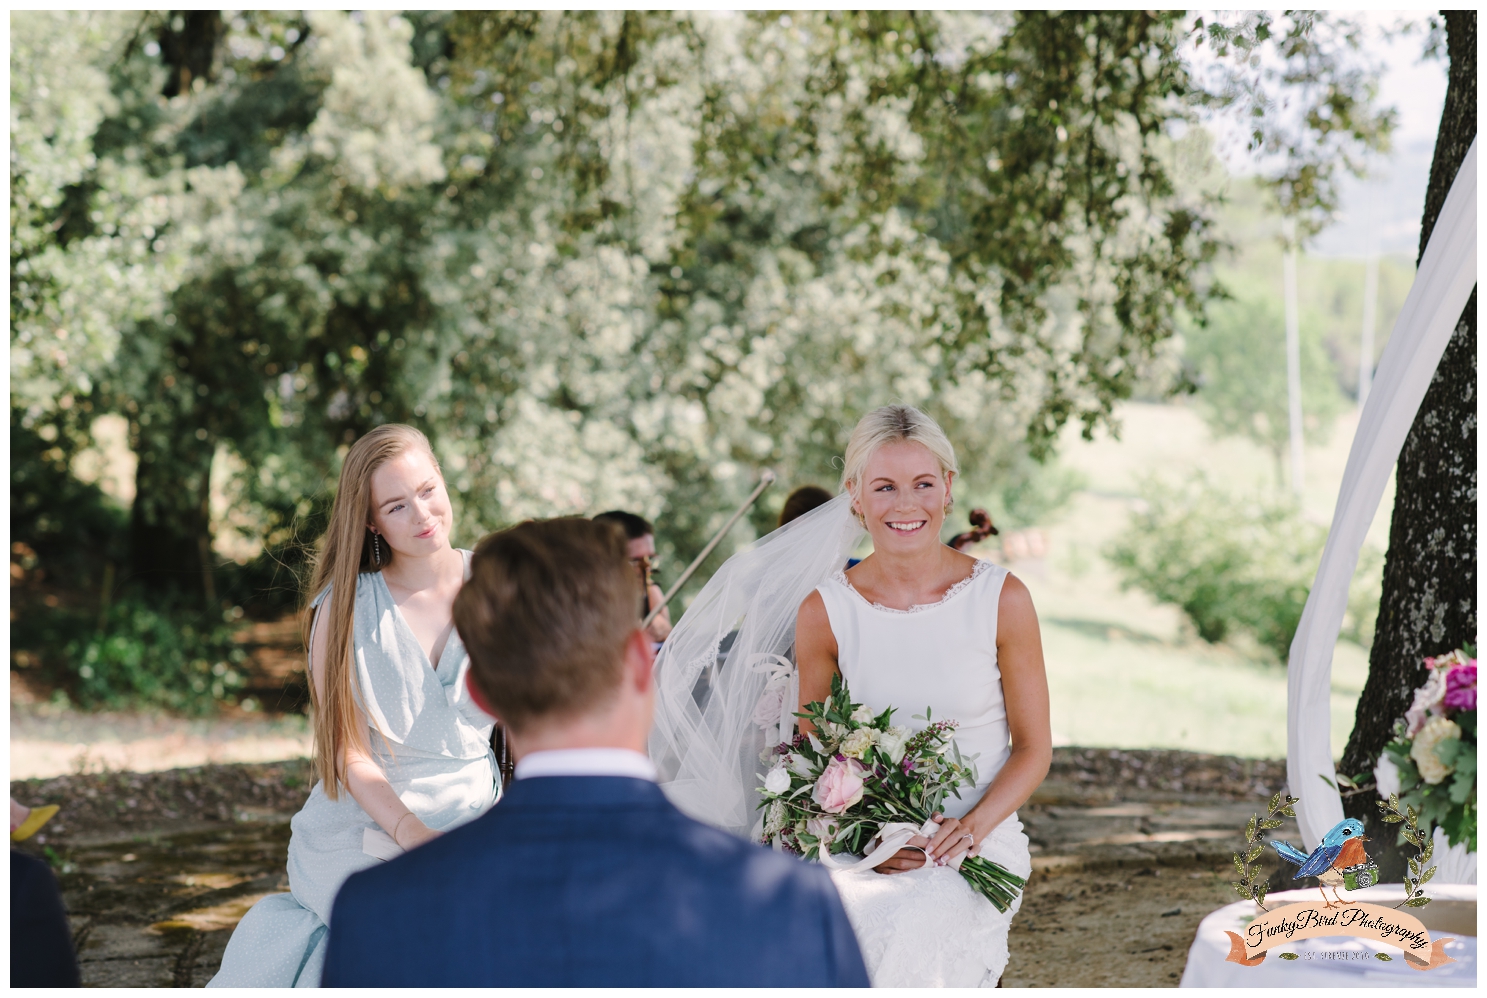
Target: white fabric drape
{"type": "Point", "coordinates": [1443, 284]}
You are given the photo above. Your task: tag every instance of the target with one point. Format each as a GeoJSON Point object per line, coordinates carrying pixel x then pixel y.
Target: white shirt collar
{"type": "Point", "coordinates": [586, 762]}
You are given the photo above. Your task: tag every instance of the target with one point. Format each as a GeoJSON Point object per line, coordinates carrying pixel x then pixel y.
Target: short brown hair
{"type": "Point", "coordinates": [802, 501]}
{"type": "Point", "coordinates": [545, 616]}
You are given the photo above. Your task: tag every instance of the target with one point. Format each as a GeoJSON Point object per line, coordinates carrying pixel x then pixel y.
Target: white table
{"type": "Point", "coordinates": [1335, 961]}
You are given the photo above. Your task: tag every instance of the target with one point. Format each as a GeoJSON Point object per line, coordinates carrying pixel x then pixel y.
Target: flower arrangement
{"type": "Point", "coordinates": [1431, 765]}
{"type": "Point", "coordinates": [833, 792]}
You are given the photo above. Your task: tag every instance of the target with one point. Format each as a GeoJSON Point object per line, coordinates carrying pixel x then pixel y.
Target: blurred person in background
{"type": "Point", "coordinates": [802, 501]}
{"type": "Point", "coordinates": [402, 752]}
{"type": "Point", "coordinates": [641, 550]}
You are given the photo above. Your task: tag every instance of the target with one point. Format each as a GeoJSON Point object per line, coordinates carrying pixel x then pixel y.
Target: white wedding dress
{"type": "Point", "coordinates": [726, 693]}
{"type": "Point", "coordinates": [928, 927]}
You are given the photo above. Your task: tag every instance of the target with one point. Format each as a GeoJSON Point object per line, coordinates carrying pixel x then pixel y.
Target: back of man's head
{"type": "Point", "coordinates": [545, 616]}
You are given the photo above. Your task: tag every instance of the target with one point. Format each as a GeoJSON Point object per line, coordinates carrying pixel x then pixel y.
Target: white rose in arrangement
{"type": "Point", "coordinates": [1386, 777]}
{"type": "Point", "coordinates": [777, 780]}
{"type": "Point", "coordinates": [799, 765]}
{"type": "Point", "coordinates": [862, 715]}
{"type": "Point", "coordinates": [856, 744]}
{"type": "Point", "coordinates": [894, 741]}
{"type": "Point", "coordinates": [1436, 730]}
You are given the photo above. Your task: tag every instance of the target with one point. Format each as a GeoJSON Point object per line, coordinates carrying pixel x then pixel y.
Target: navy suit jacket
{"type": "Point", "coordinates": [590, 881]}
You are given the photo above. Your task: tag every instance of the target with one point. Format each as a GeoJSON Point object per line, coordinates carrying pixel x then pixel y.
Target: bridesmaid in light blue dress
{"type": "Point", "coordinates": [403, 753]}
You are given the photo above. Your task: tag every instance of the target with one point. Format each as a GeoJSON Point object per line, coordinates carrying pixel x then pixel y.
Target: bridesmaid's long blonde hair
{"type": "Point", "coordinates": [347, 553]}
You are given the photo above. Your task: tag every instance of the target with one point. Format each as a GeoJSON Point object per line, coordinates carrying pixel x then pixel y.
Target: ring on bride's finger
{"type": "Point", "coordinates": [969, 838]}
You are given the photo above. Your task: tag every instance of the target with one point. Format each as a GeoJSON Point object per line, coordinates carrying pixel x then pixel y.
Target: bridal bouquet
{"type": "Point", "coordinates": [1432, 762]}
{"type": "Point", "coordinates": [835, 791]}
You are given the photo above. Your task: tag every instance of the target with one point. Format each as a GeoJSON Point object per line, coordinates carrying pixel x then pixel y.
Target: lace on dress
{"type": "Point", "coordinates": [980, 568]}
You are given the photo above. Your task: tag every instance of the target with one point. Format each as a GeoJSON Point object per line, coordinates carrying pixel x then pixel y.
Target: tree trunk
{"type": "Point", "coordinates": [170, 527]}
{"type": "Point", "coordinates": [1429, 602]}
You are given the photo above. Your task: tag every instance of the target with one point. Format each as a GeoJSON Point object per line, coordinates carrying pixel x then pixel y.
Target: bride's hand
{"type": "Point", "coordinates": [956, 836]}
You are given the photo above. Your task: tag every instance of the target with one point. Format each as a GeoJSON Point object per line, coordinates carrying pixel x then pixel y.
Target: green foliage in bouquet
{"type": "Point", "coordinates": [836, 789]}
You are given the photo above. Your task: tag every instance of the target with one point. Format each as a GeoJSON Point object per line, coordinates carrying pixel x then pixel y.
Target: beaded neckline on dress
{"type": "Point", "coordinates": [980, 569]}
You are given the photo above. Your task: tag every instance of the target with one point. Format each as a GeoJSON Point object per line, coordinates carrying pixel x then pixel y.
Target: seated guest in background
{"type": "Point", "coordinates": [641, 550]}
{"type": "Point", "coordinates": [584, 874]}
{"type": "Point", "coordinates": [802, 501]}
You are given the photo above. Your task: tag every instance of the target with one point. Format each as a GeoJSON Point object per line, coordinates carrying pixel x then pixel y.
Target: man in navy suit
{"type": "Point", "coordinates": [583, 875]}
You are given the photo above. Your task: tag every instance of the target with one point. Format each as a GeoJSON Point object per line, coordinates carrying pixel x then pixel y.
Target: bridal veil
{"type": "Point", "coordinates": [726, 684]}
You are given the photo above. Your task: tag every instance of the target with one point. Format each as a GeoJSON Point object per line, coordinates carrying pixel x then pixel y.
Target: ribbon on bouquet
{"type": "Point", "coordinates": [890, 839]}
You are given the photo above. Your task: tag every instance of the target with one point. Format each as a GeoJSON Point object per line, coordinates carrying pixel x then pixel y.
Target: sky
{"type": "Point", "coordinates": [1382, 213]}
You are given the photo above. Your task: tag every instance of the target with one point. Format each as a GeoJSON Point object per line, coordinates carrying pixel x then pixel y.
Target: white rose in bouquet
{"type": "Point", "coordinates": [777, 780]}
{"type": "Point", "coordinates": [862, 715]}
{"type": "Point", "coordinates": [894, 741]}
{"type": "Point", "coordinates": [799, 765]}
{"type": "Point", "coordinates": [856, 744]}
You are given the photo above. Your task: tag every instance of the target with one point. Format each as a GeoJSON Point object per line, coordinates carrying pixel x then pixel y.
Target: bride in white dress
{"type": "Point", "coordinates": [915, 625]}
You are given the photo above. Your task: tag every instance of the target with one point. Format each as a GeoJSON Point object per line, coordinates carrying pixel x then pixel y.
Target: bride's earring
{"type": "Point", "coordinates": [860, 518]}
{"type": "Point", "coordinates": [949, 504]}
{"type": "Point", "coordinates": [376, 549]}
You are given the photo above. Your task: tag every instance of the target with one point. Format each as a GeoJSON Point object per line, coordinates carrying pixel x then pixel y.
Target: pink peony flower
{"type": "Point", "coordinates": [1461, 687]}
{"type": "Point", "coordinates": [840, 785]}
{"type": "Point", "coordinates": [1427, 702]}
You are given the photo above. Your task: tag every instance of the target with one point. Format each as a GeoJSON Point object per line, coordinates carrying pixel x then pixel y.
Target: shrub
{"type": "Point", "coordinates": [1232, 564]}
{"type": "Point", "coordinates": [149, 654]}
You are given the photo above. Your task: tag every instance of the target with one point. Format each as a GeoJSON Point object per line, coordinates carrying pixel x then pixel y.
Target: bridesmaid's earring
{"type": "Point", "coordinates": [376, 550]}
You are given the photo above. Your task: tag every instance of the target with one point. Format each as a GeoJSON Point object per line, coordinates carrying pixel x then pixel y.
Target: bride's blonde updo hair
{"type": "Point", "coordinates": [891, 424]}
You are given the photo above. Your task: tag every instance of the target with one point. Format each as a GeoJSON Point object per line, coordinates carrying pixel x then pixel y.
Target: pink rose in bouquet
{"type": "Point", "coordinates": [840, 785]}
{"type": "Point", "coordinates": [1461, 687]}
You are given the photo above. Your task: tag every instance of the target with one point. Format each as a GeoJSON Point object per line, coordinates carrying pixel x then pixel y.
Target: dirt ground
{"type": "Point", "coordinates": [157, 868]}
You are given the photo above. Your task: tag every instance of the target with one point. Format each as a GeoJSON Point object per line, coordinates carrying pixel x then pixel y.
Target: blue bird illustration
{"type": "Point", "coordinates": [1340, 850]}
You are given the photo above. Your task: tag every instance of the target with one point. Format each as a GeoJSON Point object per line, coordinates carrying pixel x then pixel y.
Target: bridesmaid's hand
{"type": "Point", "coordinates": [413, 833]}
{"type": "Point", "coordinates": [905, 859]}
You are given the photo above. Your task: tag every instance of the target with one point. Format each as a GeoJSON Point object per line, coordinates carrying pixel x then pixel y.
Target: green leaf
{"type": "Point", "coordinates": [1270, 823]}
{"type": "Point", "coordinates": [1417, 902]}
{"type": "Point", "coordinates": [1249, 830]}
{"type": "Point", "coordinates": [1428, 874]}
{"type": "Point", "coordinates": [1255, 852]}
{"type": "Point", "coordinates": [1392, 819]}
{"type": "Point", "coordinates": [1275, 801]}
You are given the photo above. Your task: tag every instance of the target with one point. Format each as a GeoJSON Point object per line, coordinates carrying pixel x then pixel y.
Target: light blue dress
{"type": "Point", "coordinates": [434, 745]}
